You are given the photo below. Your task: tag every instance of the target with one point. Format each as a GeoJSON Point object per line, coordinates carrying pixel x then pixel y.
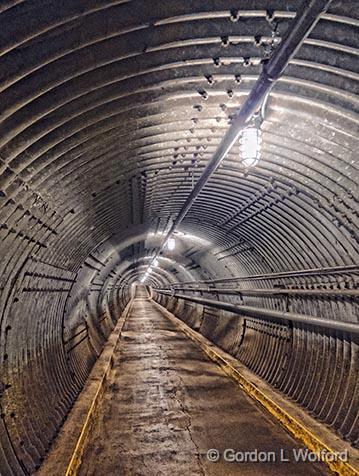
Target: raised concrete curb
{"type": "Point", "coordinates": [316, 437]}
{"type": "Point", "coordinates": [66, 453]}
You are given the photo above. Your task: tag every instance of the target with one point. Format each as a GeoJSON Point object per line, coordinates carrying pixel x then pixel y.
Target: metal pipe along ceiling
{"type": "Point", "coordinates": [296, 33]}
{"type": "Point", "coordinates": [110, 113]}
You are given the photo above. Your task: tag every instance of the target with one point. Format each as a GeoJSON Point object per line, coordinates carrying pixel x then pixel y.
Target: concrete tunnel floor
{"type": "Point", "coordinates": [166, 404]}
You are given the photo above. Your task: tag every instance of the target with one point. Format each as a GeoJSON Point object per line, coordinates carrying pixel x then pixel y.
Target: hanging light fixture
{"type": "Point", "coordinates": [250, 146]}
{"type": "Point", "coordinates": [171, 244]}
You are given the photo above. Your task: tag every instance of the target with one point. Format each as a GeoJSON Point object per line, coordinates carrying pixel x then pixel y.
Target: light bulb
{"type": "Point", "coordinates": [149, 270]}
{"type": "Point", "coordinates": [171, 244]}
{"type": "Point", "coordinates": [155, 263]}
{"type": "Point", "coordinates": [250, 146]}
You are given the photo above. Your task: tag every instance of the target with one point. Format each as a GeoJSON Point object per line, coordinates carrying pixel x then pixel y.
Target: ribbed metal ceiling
{"type": "Point", "coordinates": [109, 112]}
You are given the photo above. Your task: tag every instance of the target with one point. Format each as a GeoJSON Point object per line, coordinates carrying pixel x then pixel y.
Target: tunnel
{"type": "Point", "coordinates": [195, 161]}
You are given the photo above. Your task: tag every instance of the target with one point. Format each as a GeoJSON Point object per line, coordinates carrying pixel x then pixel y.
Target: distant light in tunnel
{"type": "Point", "coordinates": [145, 276]}
{"type": "Point", "coordinates": [250, 146]}
{"type": "Point", "coordinates": [171, 244]}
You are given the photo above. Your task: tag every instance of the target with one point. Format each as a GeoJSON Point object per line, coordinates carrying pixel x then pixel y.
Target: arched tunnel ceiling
{"type": "Point", "coordinates": [110, 111]}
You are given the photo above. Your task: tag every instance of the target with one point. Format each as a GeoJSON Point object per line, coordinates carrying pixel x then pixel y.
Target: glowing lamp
{"type": "Point", "coordinates": [250, 146]}
{"type": "Point", "coordinates": [171, 244]}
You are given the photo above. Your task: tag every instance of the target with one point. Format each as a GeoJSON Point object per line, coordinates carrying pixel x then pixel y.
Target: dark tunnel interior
{"type": "Point", "coordinates": [110, 111]}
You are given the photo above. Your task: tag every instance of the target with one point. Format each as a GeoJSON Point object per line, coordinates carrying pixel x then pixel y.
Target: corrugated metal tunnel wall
{"type": "Point", "coordinates": [109, 112]}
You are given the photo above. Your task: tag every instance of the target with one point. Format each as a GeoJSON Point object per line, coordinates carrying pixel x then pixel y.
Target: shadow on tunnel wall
{"type": "Point", "coordinates": [63, 321]}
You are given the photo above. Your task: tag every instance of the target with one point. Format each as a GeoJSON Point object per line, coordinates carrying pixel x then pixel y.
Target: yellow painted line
{"type": "Point", "coordinates": [297, 429]}
{"type": "Point", "coordinates": [76, 459]}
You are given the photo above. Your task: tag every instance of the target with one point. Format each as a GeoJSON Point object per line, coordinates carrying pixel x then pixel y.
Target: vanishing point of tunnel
{"type": "Point", "coordinates": [179, 259]}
